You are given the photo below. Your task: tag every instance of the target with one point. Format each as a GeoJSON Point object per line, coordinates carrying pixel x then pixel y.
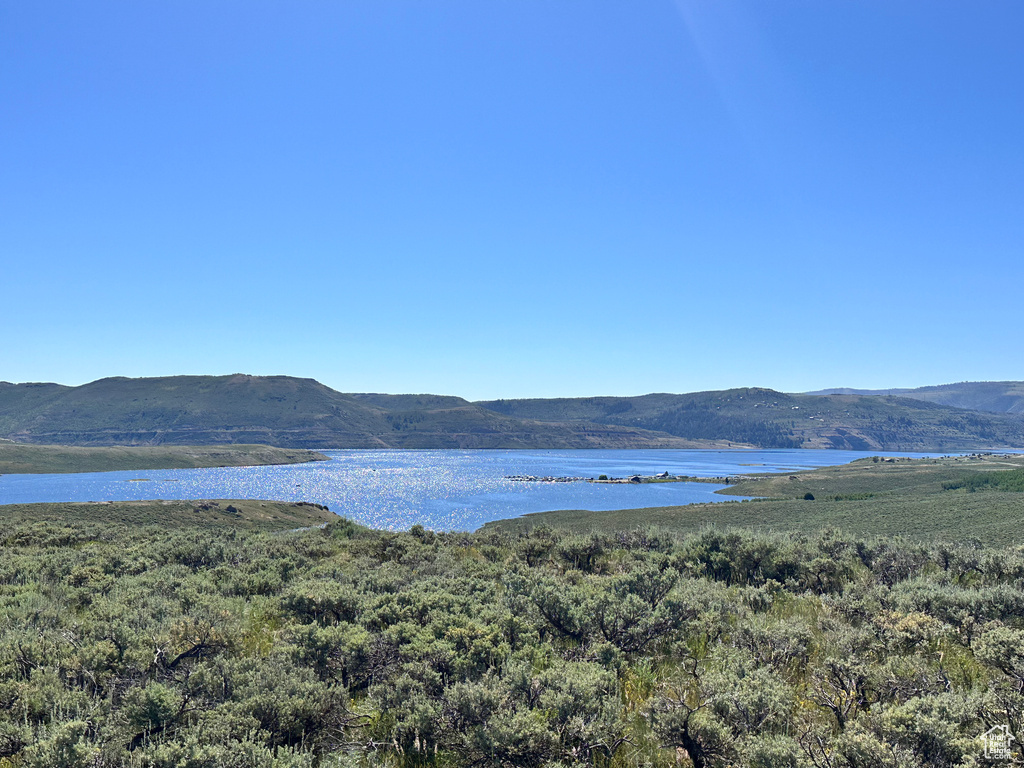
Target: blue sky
{"type": "Point", "coordinates": [514, 198]}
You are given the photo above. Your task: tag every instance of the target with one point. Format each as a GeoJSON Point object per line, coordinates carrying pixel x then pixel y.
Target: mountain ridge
{"type": "Point", "coordinates": [283, 411]}
{"type": "Point", "coordinates": [988, 396]}
{"type": "Point", "coordinates": [294, 412]}
{"type": "Point", "coordinates": [773, 419]}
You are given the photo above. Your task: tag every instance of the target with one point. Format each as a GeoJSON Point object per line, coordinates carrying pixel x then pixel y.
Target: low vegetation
{"type": "Point", "coordinates": [238, 634]}
{"type": "Point", "coordinates": [208, 647]}
{"type": "Point", "coordinates": [236, 514]}
{"type": "Point", "coordinates": [18, 458]}
{"type": "Point", "coordinates": [1009, 480]}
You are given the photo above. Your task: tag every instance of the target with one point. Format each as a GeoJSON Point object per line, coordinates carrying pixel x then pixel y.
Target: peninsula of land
{"type": "Point", "coordinates": [18, 458]}
{"type": "Point", "coordinates": [979, 497]}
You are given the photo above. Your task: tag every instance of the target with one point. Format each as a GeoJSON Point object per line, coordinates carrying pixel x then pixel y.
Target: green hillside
{"type": "Point", "coordinates": [772, 419]}
{"type": "Point", "coordinates": [281, 411]}
{"type": "Point", "coordinates": [302, 413]}
{"type": "Point", "coordinates": [199, 410]}
{"type": "Point", "coordinates": [990, 396]}
{"type": "Point", "coordinates": [215, 635]}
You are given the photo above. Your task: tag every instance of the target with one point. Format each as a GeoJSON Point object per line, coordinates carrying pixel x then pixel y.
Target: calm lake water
{"type": "Point", "coordinates": [443, 489]}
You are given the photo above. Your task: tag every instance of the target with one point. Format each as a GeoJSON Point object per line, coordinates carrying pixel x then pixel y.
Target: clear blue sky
{"type": "Point", "coordinates": [514, 197]}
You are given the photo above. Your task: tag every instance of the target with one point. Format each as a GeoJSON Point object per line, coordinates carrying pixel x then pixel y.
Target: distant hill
{"type": "Point", "coordinates": [989, 396]}
{"type": "Point", "coordinates": [772, 419]}
{"type": "Point", "coordinates": [283, 411]}
{"type": "Point", "coordinates": [188, 410]}
{"type": "Point", "coordinates": [302, 413]}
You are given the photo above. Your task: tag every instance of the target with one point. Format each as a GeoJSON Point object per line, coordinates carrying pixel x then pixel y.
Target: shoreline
{"type": "Point", "coordinates": [31, 459]}
{"type": "Point", "coordinates": [916, 498]}
{"type": "Point", "coordinates": [637, 479]}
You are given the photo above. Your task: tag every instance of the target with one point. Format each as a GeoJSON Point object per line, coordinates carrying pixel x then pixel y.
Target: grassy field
{"type": "Point", "coordinates": [901, 476]}
{"type": "Point", "coordinates": [235, 513]}
{"type": "Point", "coordinates": [866, 498]}
{"type": "Point", "coordinates": [17, 458]}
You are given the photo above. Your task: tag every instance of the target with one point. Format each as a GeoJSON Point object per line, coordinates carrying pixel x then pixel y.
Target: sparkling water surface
{"type": "Point", "coordinates": [440, 489]}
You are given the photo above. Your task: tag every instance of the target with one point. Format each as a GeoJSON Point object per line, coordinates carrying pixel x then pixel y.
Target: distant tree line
{"type": "Point", "coordinates": [1005, 480]}
{"type": "Point", "coordinates": [693, 420]}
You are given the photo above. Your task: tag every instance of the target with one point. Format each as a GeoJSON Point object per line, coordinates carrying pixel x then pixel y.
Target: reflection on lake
{"type": "Point", "coordinates": [441, 489]}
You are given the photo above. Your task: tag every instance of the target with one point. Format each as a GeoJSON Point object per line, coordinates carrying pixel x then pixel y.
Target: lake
{"type": "Point", "coordinates": [440, 489]}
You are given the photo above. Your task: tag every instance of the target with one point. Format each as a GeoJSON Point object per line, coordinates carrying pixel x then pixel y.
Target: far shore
{"type": "Point", "coordinates": [23, 458]}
